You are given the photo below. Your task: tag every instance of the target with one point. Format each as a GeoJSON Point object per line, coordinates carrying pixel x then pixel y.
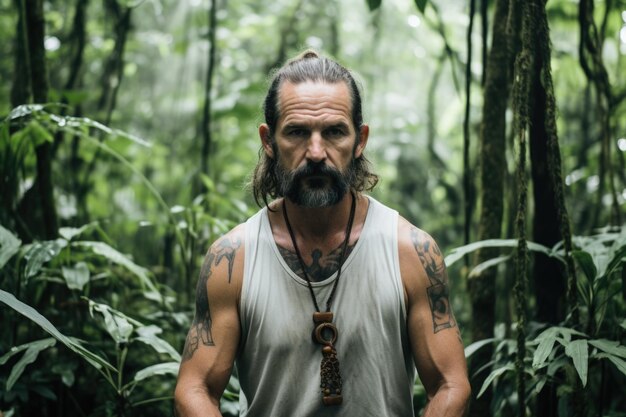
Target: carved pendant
{"type": "Point", "coordinates": [325, 334]}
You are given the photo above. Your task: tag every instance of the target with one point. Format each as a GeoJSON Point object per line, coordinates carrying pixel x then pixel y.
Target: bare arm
{"type": "Point", "coordinates": [212, 341]}
{"type": "Point", "coordinates": [433, 331]}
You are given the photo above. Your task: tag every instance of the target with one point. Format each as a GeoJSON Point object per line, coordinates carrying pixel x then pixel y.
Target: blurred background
{"type": "Point", "coordinates": [129, 130]}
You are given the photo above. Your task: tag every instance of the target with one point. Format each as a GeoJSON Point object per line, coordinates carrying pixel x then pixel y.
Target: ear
{"type": "Point", "coordinates": [361, 140]}
{"type": "Point", "coordinates": [266, 141]}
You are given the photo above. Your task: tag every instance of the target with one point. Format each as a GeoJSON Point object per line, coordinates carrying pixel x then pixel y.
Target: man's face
{"type": "Point", "coordinates": [315, 143]}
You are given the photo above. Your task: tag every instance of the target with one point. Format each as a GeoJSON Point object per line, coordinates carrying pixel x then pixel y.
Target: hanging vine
{"type": "Point", "coordinates": [554, 158]}
{"type": "Point", "coordinates": [592, 63]}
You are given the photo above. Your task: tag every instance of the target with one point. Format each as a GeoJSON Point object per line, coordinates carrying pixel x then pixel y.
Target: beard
{"type": "Point", "coordinates": [314, 185]}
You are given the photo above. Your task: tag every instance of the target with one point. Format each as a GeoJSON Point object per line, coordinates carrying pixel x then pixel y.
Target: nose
{"type": "Point", "coordinates": [316, 151]}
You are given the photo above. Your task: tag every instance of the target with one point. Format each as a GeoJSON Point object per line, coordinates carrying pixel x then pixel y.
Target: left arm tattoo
{"type": "Point", "coordinates": [438, 292]}
{"type": "Point", "coordinates": [202, 324]}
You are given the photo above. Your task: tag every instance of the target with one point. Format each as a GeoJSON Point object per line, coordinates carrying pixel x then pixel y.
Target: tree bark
{"type": "Point", "coordinates": [467, 176]}
{"type": "Point", "coordinates": [492, 175]}
{"type": "Point", "coordinates": [206, 111]}
{"type": "Point", "coordinates": [38, 201]}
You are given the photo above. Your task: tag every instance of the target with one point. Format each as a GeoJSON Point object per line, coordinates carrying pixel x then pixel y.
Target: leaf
{"type": "Point", "coordinates": [478, 269]}
{"type": "Point", "coordinates": [24, 110]}
{"type": "Point", "coordinates": [373, 4]}
{"type": "Point", "coordinates": [148, 335]}
{"type": "Point", "coordinates": [585, 260]}
{"type": "Point", "coordinates": [578, 350]}
{"type": "Point", "coordinates": [461, 251]}
{"type": "Point", "coordinates": [493, 375]}
{"type": "Point", "coordinates": [76, 277]}
{"type": "Point", "coordinates": [471, 349]}
{"type": "Point", "coordinates": [32, 314]}
{"type": "Point", "coordinates": [158, 369]}
{"type": "Point", "coordinates": [546, 344]}
{"type": "Point", "coordinates": [102, 249]}
{"type": "Point", "coordinates": [616, 260]}
{"type": "Point", "coordinates": [117, 324]}
{"type": "Point", "coordinates": [69, 233]}
{"type": "Point", "coordinates": [609, 346]}
{"type": "Point", "coordinates": [9, 246]}
{"type": "Point", "coordinates": [619, 363]}
{"type": "Point", "coordinates": [32, 351]}
{"type": "Point", "coordinates": [38, 134]}
{"type": "Point", "coordinates": [541, 381]}
{"type": "Point", "coordinates": [421, 5]}
{"type": "Point", "coordinates": [39, 253]}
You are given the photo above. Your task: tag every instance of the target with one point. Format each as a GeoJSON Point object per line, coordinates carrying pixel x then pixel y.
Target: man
{"type": "Point", "coordinates": [326, 300]}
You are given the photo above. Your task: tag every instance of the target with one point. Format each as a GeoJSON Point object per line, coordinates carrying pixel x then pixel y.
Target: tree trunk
{"type": "Point", "coordinates": [548, 278]}
{"type": "Point", "coordinates": [206, 111]}
{"type": "Point", "coordinates": [492, 174]}
{"type": "Point", "coordinates": [31, 59]}
{"type": "Point", "coordinates": [467, 176]}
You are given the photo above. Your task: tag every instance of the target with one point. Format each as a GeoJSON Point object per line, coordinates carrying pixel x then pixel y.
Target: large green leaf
{"type": "Point", "coordinates": [585, 260]}
{"type": "Point", "coordinates": [546, 343]}
{"type": "Point", "coordinates": [619, 363]}
{"type": "Point", "coordinates": [578, 350]}
{"type": "Point", "coordinates": [609, 346]}
{"type": "Point", "coordinates": [102, 249]}
{"type": "Point", "coordinates": [40, 253]}
{"type": "Point", "coordinates": [471, 349]}
{"type": "Point", "coordinates": [493, 375]}
{"type": "Point", "coordinates": [117, 324]}
{"type": "Point", "coordinates": [170, 368]}
{"type": "Point", "coordinates": [76, 277]}
{"type": "Point", "coordinates": [461, 251]}
{"type": "Point", "coordinates": [148, 335]}
{"type": "Point", "coordinates": [32, 351]}
{"type": "Point", "coordinates": [32, 314]}
{"type": "Point", "coordinates": [617, 258]}
{"type": "Point", "coordinates": [9, 245]}
{"type": "Point", "coordinates": [478, 269]}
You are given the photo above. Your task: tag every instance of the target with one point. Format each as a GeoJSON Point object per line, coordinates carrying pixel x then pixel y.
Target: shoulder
{"type": "Point", "coordinates": [421, 261]}
{"type": "Point", "coordinates": [223, 262]}
{"type": "Point", "coordinates": [415, 240]}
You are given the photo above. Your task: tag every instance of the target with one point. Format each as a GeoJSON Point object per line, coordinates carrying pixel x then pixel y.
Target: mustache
{"type": "Point", "coordinates": [312, 169]}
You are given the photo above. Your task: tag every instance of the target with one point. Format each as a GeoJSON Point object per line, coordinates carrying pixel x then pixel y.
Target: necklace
{"type": "Point", "coordinates": [325, 332]}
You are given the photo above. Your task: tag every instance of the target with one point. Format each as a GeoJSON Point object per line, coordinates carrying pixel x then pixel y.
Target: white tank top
{"type": "Point", "coordinates": [278, 362]}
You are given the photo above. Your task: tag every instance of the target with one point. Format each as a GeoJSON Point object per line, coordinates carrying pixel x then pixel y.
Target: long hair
{"type": "Point", "coordinates": [308, 66]}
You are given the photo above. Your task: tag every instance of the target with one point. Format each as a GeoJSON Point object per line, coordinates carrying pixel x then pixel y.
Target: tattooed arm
{"type": "Point", "coordinates": [213, 338]}
{"type": "Point", "coordinates": [433, 331]}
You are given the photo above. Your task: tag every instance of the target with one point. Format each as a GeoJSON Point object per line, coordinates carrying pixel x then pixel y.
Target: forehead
{"type": "Point", "coordinates": [314, 101]}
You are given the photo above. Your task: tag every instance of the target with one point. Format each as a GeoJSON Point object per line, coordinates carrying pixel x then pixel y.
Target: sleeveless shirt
{"type": "Point", "coordinates": [278, 363]}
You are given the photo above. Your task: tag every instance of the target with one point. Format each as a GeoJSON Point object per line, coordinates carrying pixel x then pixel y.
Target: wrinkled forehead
{"type": "Point", "coordinates": [314, 98]}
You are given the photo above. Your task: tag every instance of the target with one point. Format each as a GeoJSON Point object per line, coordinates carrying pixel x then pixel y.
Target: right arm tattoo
{"type": "Point", "coordinates": [201, 326]}
{"type": "Point", "coordinates": [438, 293]}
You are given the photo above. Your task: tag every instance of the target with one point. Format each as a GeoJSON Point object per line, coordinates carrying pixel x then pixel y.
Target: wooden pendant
{"type": "Point", "coordinates": [325, 334]}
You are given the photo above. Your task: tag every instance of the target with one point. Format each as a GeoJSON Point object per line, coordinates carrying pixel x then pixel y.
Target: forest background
{"type": "Point", "coordinates": [129, 129]}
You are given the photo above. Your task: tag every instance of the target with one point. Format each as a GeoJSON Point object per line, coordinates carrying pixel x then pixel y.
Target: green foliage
{"type": "Point", "coordinates": [421, 5]}
{"type": "Point", "coordinates": [563, 354]}
{"type": "Point", "coordinates": [119, 279]}
{"type": "Point", "coordinates": [373, 4]}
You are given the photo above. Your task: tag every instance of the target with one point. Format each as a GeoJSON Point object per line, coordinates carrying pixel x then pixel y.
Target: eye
{"type": "Point", "coordinates": [297, 132]}
{"type": "Point", "coordinates": [334, 132]}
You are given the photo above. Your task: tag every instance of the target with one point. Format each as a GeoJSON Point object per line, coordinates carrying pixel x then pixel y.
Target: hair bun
{"type": "Point", "coordinates": [309, 53]}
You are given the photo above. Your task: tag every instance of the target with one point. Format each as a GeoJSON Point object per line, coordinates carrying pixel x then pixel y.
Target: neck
{"type": "Point", "coordinates": [322, 222]}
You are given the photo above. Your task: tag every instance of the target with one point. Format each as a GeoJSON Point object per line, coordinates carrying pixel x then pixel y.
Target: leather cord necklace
{"type": "Point", "coordinates": [325, 332]}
